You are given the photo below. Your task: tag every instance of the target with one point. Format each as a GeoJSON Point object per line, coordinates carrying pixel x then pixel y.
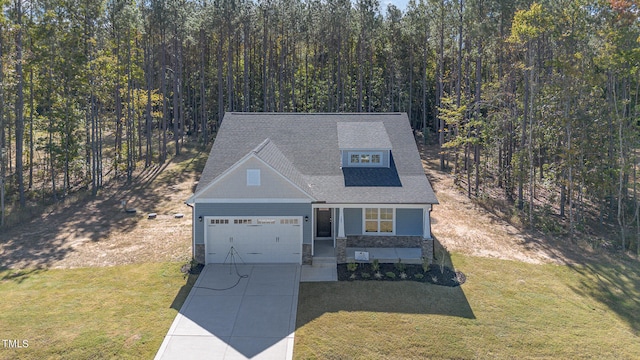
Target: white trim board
{"type": "Point", "coordinates": [378, 205]}
{"type": "Point", "coordinates": [251, 201]}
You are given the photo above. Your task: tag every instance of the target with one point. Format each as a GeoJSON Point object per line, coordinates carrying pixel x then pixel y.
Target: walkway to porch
{"type": "Point", "coordinates": [324, 264]}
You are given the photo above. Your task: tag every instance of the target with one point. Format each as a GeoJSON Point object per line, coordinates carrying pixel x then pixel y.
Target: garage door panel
{"type": "Point", "coordinates": [254, 239]}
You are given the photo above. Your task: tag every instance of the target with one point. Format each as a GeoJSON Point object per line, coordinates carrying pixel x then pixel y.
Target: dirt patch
{"type": "Point", "coordinates": [99, 232]}
{"type": "Point", "coordinates": [463, 226]}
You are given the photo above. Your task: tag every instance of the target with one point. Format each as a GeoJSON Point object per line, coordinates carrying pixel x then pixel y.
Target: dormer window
{"type": "Point", "coordinates": [365, 158]}
{"type": "Point", "coordinates": [364, 144]}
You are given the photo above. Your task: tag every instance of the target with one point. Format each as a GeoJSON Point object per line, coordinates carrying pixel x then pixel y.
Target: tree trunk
{"type": "Point", "coordinates": [19, 106]}
{"type": "Point", "coordinates": [3, 154]}
{"type": "Point", "coordinates": [439, 88]}
{"type": "Point", "coordinates": [165, 105]}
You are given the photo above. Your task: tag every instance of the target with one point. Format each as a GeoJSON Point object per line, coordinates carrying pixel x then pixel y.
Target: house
{"type": "Point", "coordinates": [276, 185]}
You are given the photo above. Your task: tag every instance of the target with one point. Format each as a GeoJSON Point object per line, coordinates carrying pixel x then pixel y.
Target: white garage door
{"type": "Point", "coordinates": [263, 239]}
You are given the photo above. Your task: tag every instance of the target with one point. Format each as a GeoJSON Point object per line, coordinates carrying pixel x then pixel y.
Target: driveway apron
{"type": "Point", "coordinates": [243, 312]}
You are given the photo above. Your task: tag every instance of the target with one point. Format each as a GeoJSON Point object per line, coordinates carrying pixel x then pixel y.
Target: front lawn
{"type": "Point", "coordinates": [505, 310]}
{"type": "Point", "coordinates": [89, 313]}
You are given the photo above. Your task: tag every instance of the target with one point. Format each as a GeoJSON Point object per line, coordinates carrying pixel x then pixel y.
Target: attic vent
{"type": "Point", "coordinates": [253, 177]}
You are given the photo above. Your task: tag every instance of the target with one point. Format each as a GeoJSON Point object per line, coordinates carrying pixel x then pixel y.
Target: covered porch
{"type": "Point", "coordinates": [386, 232]}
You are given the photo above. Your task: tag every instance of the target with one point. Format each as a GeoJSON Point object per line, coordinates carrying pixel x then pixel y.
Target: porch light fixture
{"type": "Point", "coordinates": [200, 218]}
{"type": "Point", "coordinates": [306, 218]}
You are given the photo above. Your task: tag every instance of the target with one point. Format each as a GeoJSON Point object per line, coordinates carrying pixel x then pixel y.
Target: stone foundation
{"type": "Point", "coordinates": [363, 241]}
{"type": "Point", "coordinates": [307, 259]}
{"type": "Point", "coordinates": [198, 255]}
{"type": "Point", "coordinates": [341, 250]}
{"type": "Point", "coordinates": [427, 249]}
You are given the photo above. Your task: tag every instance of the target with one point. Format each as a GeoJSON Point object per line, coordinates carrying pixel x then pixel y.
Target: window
{"type": "Point", "coordinates": [289, 221]}
{"type": "Point", "coordinates": [219, 221]}
{"type": "Point", "coordinates": [253, 177]}
{"type": "Point", "coordinates": [378, 220]}
{"type": "Point", "coordinates": [242, 221]}
{"type": "Point", "coordinates": [364, 158]}
{"type": "Point", "coordinates": [371, 220]}
{"type": "Point", "coordinates": [266, 221]}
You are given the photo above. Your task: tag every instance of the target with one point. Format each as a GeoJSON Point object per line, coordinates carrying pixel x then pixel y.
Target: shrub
{"type": "Point", "coordinates": [377, 275]}
{"type": "Point", "coordinates": [391, 275]}
{"type": "Point", "coordinates": [418, 276]}
{"type": "Point", "coordinates": [375, 265]}
{"type": "Point", "coordinates": [403, 275]}
{"type": "Point", "coordinates": [352, 276]}
{"type": "Point", "coordinates": [352, 266]}
{"type": "Point", "coordinates": [401, 267]}
{"type": "Point", "coordinates": [425, 264]}
{"type": "Point", "coordinates": [365, 275]}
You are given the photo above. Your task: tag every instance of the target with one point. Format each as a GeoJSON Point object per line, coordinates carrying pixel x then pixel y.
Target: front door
{"type": "Point", "coordinates": [323, 223]}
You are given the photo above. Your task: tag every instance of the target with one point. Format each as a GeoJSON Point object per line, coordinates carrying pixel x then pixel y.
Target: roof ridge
{"type": "Point", "coordinates": [261, 146]}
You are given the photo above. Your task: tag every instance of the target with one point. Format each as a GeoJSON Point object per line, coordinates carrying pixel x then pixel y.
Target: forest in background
{"type": "Point", "coordinates": [537, 100]}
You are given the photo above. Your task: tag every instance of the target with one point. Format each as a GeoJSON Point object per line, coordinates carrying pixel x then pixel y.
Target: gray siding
{"type": "Point", "coordinates": [408, 221]}
{"type": "Point", "coordinates": [259, 209]}
{"type": "Point", "coordinates": [352, 221]}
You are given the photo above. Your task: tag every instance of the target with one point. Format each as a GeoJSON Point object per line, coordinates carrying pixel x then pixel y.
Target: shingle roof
{"type": "Point", "coordinates": [372, 176]}
{"type": "Point", "coordinates": [305, 148]}
{"type": "Point", "coordinates": [363, 135]}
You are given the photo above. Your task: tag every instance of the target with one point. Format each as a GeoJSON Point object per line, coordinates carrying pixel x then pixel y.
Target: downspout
{"type": "Point", "coordinates": [193, 232]}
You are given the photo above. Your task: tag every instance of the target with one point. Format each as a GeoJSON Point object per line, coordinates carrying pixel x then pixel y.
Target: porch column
{"type": "Point", "coordinates": [341, 223]}
{"type": "Point", "coordinates": [426, 231]}
{"type": "Point", "coordinates": [341, 240]}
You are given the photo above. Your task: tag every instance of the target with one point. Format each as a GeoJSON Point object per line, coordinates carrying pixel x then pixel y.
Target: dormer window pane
{"type": "Point", "coordinates": [365, 158]}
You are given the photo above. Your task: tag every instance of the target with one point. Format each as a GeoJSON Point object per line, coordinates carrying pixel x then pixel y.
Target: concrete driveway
{"type": "Point", "coordinates": [230, 317]}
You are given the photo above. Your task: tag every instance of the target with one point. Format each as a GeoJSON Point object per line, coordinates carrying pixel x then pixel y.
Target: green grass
{"type": "Point", "coordinates": [506, 310]}
{"type": "Point", "coordinates": [90, 313]}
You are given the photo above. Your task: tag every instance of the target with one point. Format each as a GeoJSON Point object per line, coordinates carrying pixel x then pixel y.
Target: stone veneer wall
{"type": "Point", "coordinates": [199, 254]}
{"type": "Point", "coordinates": [384, 241]}
{"type": "Point", "coordinates": [307, 259]}
{"type": "Point", "coordinates": [381, 242]}
{"type": "Point", "coordinates": [427, 249]}
{"type": "Point", "coordinates": [341, 250]}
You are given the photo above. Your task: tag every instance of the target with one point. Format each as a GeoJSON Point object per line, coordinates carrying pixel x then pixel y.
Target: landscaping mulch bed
{"type": "Point", "coordinates": [437, 275]}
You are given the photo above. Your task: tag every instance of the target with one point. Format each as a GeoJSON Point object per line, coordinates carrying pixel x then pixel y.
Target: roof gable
{"type": "Point", "coordinates": [275, 183]}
